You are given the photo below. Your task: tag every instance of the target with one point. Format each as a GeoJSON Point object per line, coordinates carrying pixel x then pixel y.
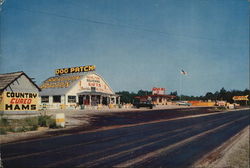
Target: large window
{"type": "Point", "coordinates": [71, 99]}
{"type": "Point", "coordinates": [56, 99]}
{"type": "Point", "coordinates": [44, 99]}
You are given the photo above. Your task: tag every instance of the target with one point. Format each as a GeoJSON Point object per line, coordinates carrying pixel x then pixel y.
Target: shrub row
{"type": "Point", "coordinates": [26, 124]}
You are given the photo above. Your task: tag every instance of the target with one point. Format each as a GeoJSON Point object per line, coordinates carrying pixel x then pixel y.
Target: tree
{"type": "Point", "coordinates": [126, 97]}
{"type": "Point", "coordinates": [174, 93]}
{"type": "Point", "coordinates": [209, 96]}
{"type": "Point", "coordinates": [144, 93]}
{"type": "Point", "coordinates": [222, 94]}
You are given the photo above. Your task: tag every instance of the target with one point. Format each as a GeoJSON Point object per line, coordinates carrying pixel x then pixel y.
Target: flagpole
{"type": "Point", "coordinates": [182, 73]}
{"type": "Point", "coordinates": [180, 85]}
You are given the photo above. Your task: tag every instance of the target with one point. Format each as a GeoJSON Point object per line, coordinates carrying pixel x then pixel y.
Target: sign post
{"type": "Point", "coordinates": [241, 98]}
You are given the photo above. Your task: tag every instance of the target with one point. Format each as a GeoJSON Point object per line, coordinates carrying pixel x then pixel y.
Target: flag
{"type": "Point", "coordinates": [1, 2]}
{"type": "Point", "coordinates": [183, 72]}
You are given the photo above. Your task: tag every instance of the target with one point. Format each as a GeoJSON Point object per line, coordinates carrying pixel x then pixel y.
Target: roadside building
{"type": "Point", "coordinates": [18, 94]}
{"type": "Point", "coordinates": [158, 97]}
{"type": "Point", "coordinates": [77, 87]}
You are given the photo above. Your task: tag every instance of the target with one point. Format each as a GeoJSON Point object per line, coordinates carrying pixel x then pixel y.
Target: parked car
{"type": "Point", "coordinates": [183, 103]}
{"type": "Point", "coordinates": [143, 104]}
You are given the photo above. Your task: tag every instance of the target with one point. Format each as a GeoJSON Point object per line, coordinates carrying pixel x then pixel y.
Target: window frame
{"type": "Point", "coordinates": [70, 99]}
{"type": "Point", "coordinates": [55, 97]}
{"type": "Point", "coordinates": [42, 99]}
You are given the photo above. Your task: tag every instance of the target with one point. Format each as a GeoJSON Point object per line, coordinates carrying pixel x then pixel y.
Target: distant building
{"type": "Point", "coordinates": [158, 97]}
{"type": "Point", "coordinates": [18, 94]}
{"type": "Point", "coordinates": [75, 88]}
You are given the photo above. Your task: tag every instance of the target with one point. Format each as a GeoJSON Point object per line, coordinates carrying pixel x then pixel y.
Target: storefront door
{"type": "Point", "coordinates": [80, 99]}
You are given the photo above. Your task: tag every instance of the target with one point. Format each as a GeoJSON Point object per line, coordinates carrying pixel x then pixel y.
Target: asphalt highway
{"type": "Point", "coordinates": [164, 143]}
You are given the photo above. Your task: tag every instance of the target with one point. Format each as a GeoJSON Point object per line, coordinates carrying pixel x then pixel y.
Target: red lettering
{"type": "Point", "coordinates": [20, 101]}
{"type": "Point", "coordinates": [29, 101]}
{"type": "Point", "coordinates": [12, 101]}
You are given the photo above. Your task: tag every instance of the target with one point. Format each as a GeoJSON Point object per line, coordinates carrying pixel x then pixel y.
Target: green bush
{"type": "Point", "coordinates": [221, 108]}
{"type": "Point", "coordinates": [18, 125]}
{"type": "Point", "coordinates": [47, 121]}
{"type": "Point", "coordinates": [34, 127]}
{"type": "Point", "coordinates": [20, 129]}
{"type": "Point", "coordinates": [4, 125]}
{"type": "Point", "coordinates": [32, 121]}
{"type": "Point", "coordinates": [4, 122]}
{"type": "Point", "coordinates": [2, 131]}
{"type": "Point", "coordinates": [44, 120]}
{"type": "Point", "coordinates": [53, 124]}
{"type": "Point", "coordinates": [26, 124]}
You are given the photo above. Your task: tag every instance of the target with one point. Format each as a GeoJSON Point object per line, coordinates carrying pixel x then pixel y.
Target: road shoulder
{"type": "Point", "coordinates": [232, 153]}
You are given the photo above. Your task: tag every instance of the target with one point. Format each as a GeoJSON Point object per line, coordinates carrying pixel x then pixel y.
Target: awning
{"type": "Point", "coordinates": [97, 93]}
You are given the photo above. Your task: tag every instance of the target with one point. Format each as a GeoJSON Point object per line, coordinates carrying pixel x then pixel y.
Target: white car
{"type": "Point", "coordinates": [182, 103]}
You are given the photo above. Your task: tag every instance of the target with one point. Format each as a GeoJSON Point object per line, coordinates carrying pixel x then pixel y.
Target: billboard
{"type": "Point", "coordinates": [239, 98]}
{"type": "Point", "coordinates": [19, 101]}
{"type": "Point", "coordinates": [158, 91]}
{"type": "Point", "coordinates": [75, 69]}
{"type": "Point", "coordinates": [95, 83]}
{"type": "Point", "coordinates": [59, 82]}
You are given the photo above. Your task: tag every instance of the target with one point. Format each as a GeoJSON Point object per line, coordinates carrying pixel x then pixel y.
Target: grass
{"type": "Point", "coordinates": [221, 108]}
{"type": "Point", "coordinates": [47, 121]}
{"type": "Point", "coordinates": [26, 124]}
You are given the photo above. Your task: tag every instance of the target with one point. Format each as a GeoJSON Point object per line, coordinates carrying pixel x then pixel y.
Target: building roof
{"type": "Point", "coordinates": [97, 93]}
{"type": "Point", "coordinates": [165, 96]}
{"type": "Point", "coordinates": [8, 78]}
{"type": "Point", "coordinates": [62, 89]}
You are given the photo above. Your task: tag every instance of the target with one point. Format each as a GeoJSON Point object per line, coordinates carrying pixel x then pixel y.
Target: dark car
{"type": "Point", "coordinates": [143, 104]}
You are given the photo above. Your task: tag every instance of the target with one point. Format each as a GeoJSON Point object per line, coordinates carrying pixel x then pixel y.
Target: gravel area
{"type": "Point", "coordinates": [237, 156]}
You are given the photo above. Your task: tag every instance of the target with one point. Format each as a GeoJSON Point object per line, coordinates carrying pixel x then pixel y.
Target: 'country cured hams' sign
{"type": "Point", "coordinates": [19, 101]}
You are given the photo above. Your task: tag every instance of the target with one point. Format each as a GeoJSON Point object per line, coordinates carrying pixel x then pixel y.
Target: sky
{"type": "Point", "coordinates": [135, 44]}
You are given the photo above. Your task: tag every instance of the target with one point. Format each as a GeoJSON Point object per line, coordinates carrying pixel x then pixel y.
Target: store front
{"type": "Point", "coordinates": [77, 89]}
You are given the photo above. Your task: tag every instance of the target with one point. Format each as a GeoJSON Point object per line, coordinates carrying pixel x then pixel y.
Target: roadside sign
{"type": "Point", "coordinates": [60, 119]}
{"type": "Point", "coordinates": [239, 98]}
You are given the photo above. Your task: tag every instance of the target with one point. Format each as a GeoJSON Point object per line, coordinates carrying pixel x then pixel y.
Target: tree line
{"type": "Point", "coordinates": [223, 94]}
